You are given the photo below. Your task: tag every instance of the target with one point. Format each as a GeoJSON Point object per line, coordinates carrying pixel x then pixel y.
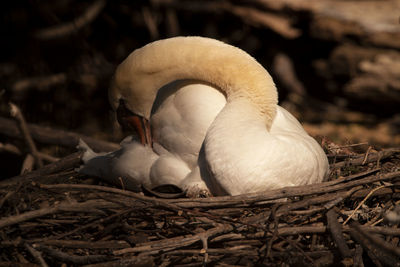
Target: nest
{"type": "Point", "coordinates": [54, 216]}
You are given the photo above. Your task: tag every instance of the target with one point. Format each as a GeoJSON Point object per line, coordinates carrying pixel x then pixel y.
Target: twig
{"type": "Point", "coordinates": [357, 259]}
{"type": "Point", "coordinates": [279, 23]}
{"type": "Point", "coordinates": [10, 148]}
{"type": "Point", "coordinates": [204, 241]}
{"type": "Point", "coordinates": [295, 191]}
{"type": "Point", "coordinates": [372, 157]}
{"type": "Point", "coordinates": [176, 242]}
{"type": "Point", "coordinates": [374, 251]}
{"type": "Point", "coordinates": [150, 22]}
{"type": "Point", "coordinates": [87, 206]}
{"type": "Point", "coordinates": [54, 137]}
{"type": "Point", "coordinates": [88, 225]}
{"type": "Point", "coordinates": [241, 200]}
{"type": "Point", "coordinates": [336, 233]}
{"type": "Point", "coordinates": [366, 155]}
{"type": "Point", "coordinates": [74, 26]}
{"type": "Point", "coordinates": [37, 255]}
{"type": "Point", "coordinates": [39, 82]}
{"type": "Point", "coordinates": [69, 162]}
{"type": "Point", "coordinates": [273, 21]}
{"type": "Point", "coordinates": [16, 113]}
{"type": "Point", "coordinates": [362, 202]}
{"type": "Point", "coordinates": [109, 244]}
{"type": "Point", "coordinates": [27, 165]}
{"type": "Point", "coordinates": [395, 251]}
{"type": "Point", "coordinates": [73, 258]}
{"type": "Point", "coordinates": [154, 201]}
{"type": "Point", "coordinates": [4, 199]}
{"type": "Point", "coordinates": [353, 145]}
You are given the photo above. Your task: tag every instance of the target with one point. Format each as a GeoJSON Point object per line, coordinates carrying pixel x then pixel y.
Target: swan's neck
{"type": "Point", "coordinates": [234, 72]}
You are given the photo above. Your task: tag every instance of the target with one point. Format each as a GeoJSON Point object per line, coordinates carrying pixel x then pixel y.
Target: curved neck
{"type": "Point", "coordinates": [233, 71]}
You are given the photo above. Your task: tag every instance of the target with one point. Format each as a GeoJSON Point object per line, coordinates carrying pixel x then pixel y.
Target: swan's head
{"type": "Point", "coordinates": [132, 84]}
{"type": "Point", "coordinates": [131, 98]}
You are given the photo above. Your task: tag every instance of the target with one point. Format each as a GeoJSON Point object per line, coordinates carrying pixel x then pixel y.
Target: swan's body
{"type": "Point", "coordinates": [216, 125]}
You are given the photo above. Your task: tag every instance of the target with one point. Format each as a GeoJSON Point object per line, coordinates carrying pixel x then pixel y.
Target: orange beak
{"type": "Point", "coordinates": [132, 122]}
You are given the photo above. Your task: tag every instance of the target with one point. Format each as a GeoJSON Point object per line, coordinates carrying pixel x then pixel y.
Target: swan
{"type": "Point", "coordinates": [209, 122]}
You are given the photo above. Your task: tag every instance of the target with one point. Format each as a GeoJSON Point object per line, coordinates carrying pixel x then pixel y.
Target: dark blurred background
{"type": "Point", "coordinates": [336, 63]}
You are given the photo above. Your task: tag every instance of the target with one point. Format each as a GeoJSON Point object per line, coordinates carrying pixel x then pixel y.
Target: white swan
{"type": "Point", "coordinates": [208, 113]}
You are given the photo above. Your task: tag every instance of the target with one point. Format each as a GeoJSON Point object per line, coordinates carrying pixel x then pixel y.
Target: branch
{"type": "Point", "coordinates": [69, 162]}
{"type": "Point", "coordinates": [17, 114]}
{"type": "Point", "coordinates": [74, 26]}
{"type": "Point", "coordinates": [87, 206]}
{"type": "Point", "coordinates": [54, 137]}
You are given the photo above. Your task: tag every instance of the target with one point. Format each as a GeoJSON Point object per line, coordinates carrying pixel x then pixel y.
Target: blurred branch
{"type": "Point", "coordinates": [53, 136]}
{"type": "Point", "coordinates": [71, 27]}
{"type": "Point", "coordinates": [151, 23]}
{"type": "Point", "coordinates": [41, 82]}
{"type": "Point", "coordinates": [27, 164]}
{"type": "Point", "coordinates": [17, 114]}
{"type": "Point", "coordinates": [68, 162]}
{"type": "Point", "coordinates": [278, 23]}
{"type": "Point", "coordinates": [10, 148]}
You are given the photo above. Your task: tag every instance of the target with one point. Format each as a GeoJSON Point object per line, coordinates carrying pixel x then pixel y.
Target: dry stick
{"type": "Point", "coordinates": [110, 244]}
{"type": "Point", "coordinates": [37, 255]}
{"type": "Point", "coordinates": [278, 23]}
{"type": "Point", "coordinates": [10, 148]}
{"type": "Point", "coordinates": [281, 24]}
{"type": "Point", "coordinates": [51, 136]}
{"type": "Point", "coordinates": [68, 162]}
{"type": "Point", "coordinates": [298, 230]}
{"type": "Point", "coordinates": [121, 192]}
{"type": "Point", "coordinates": [73, 258]}
{"type": "Point", "coordinates": [154, 201]}
{"type": "Point", "coordinates": [86, 226]}
{"type": "Point", "coordinates": [376, 255]}
{"type": "Point", "coordinates": [40, 82]}
{"type": "Point", "coordinates": [294, 191]}
{"type": "Point", "coordinates": [366, 155]}
{"type": "Point", "coordinates": [204, 240]}
{"type": "Point", "coordinates": [175, 242]}
{"type": "Point", "coordinates": [141, 260]}
{"type": "Point", "coordinates": [71, 27]}
{"type": "Point", "coordinates": [337, 234]}
{"type": "Point", "coordinates": [372, 157]}
{"type": "Point", "coordinates": [248, 199]}
{"type": "Point", "coordinates": [27, 164]}
{"type": "Point", "coordinates": [237, 250]}
{"type": "Point", "coordinates": [357, 259]}
{"type": "Point", "coordinates": [353, 145]}
{"type": "Point", "coordinates": [7, 196]}
{"type": "Point", "coordinates": [384, 191]}
{"type": "Point", "coordinates": [150, 22]}
{"type": "Point", "coordinates": [17, 114]}
{"type": "Point", "coordinates": [362, 202]}
{"type": "Point", "coordinates": [87, 206]}
{"type": "Point", "coordinates": [335, 197]}
{"type": "Point", "coordinates": [387, 247]}
{"type": "Point", "coordinates": [352, 177]}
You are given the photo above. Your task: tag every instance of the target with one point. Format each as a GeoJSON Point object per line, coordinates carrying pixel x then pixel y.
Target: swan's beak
{"type": "Point", "coordinates": [132, 122]}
